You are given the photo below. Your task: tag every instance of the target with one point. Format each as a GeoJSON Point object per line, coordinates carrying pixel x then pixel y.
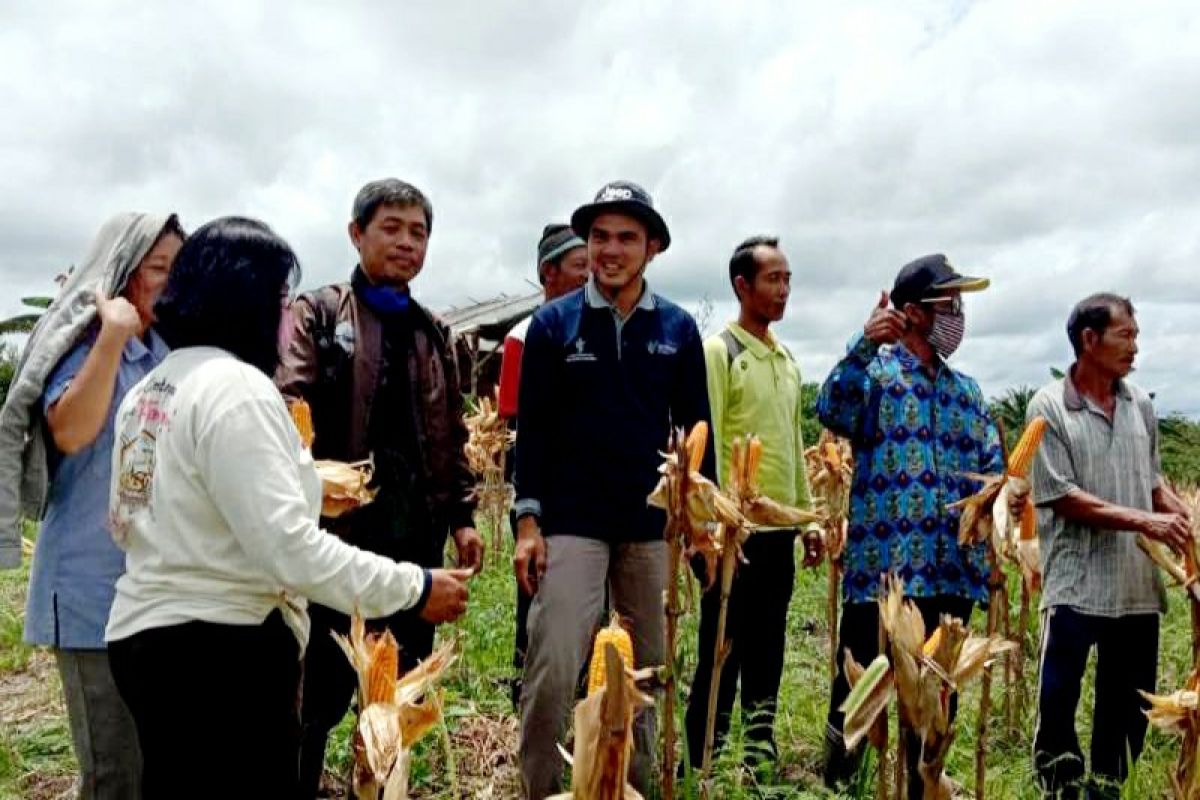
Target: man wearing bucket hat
{"type": "Point", "coordinates": [607, 371]}
{"type": "Point", "coordinates": [916, 425]}
{"type": "Point", "coordinates": [562, 268]}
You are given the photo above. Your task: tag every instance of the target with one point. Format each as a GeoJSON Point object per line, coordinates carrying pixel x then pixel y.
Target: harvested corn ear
{"type": "Point", "coordinates": [616, 635]}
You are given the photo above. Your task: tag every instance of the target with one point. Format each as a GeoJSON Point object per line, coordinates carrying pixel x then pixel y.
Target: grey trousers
{"type": "Point", "coordinates": [102, 729]}
{"type": "Point", "coordinates": [569, 598]}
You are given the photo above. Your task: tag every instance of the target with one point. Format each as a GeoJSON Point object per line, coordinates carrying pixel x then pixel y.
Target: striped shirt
{"type": "Point", "coordinates": [1096, 571]}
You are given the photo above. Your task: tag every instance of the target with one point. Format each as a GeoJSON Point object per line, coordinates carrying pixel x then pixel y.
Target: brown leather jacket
{"type": "Point", "coordinates": [333, 362]}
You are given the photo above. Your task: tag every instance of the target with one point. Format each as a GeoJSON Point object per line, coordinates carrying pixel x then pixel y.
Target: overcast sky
{"type": "Point", "coordinates": [1053, 146]}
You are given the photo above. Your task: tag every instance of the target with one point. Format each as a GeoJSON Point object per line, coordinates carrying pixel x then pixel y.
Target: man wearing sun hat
{"type": "Point", "coordinates": [917, 427]}
{"type": "Point", "coordinates": [607, 371]}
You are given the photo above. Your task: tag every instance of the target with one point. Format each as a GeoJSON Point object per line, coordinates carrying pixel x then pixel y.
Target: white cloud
{"type": "Point", "coordinates": [1049, 145]}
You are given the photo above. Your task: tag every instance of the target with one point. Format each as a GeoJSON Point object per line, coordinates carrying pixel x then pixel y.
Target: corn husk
{"type": "Point", "coordinates": [345, 487]}
{"type": "Point", "coordinates": [871, 689]}
{"type": "Point", "coordinates": [1179, 713]}
{"type": "Point", "coordinates": [394, 712]}
{"type": "Point", "coordinates": [604, 736]}
{"type": "Point", "coordinates": [926, 673]}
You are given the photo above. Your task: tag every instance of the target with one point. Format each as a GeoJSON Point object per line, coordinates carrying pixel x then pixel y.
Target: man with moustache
{"type": "Point", "coordinates": [382, 378]}
{"type": "Point", "coordinates": [607, 371]}
{"type": "Point", "coordinates": [1097, 484]}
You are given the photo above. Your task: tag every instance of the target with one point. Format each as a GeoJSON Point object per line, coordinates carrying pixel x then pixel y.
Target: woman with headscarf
{"type": "Point", "coordinates": [215, 501]}
{"type": "Point", "coordinates": [94, 343]}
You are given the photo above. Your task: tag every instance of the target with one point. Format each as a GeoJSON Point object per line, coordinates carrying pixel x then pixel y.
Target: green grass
{"type": "Point", "coordinates": [478, 688]}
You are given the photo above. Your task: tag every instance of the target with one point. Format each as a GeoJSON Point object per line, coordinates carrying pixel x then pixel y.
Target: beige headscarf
{"type": "Point", "coordinates": [115, 254]}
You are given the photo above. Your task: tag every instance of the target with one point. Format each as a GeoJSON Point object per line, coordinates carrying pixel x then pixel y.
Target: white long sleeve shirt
{"type": "Point", "coordinates": [215, 502]}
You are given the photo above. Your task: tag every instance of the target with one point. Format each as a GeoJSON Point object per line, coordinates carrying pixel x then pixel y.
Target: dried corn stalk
{"type": "Point", "coordinates": [689, 530]}
{"type": "Point", "coordinates": [830, 465]}
{"type": "Point", "coordinates": [604, 735]}
{"type": "Point", "coordinates": [987, 517]}
{"type": "Point", "coordinates": [395, 712]}
{"type": "Point", "coordinates": [1179, 712]}
{"type": "Point", "coordinates": [488, 442]}
{"type": "Point", "coordinates": [926, 673]}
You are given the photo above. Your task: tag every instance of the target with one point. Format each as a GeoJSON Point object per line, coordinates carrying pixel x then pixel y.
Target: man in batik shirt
{"type": "Point", "coordinates": [917, 426]}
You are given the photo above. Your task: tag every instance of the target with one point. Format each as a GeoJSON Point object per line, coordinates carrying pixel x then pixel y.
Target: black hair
{"type": "Point", "coordinates": [743, 262]}
{"type": "Point", "coordinates": [1094, 312]}
{"type": "Point", "coordinates": [172, 228]}
{"type": "Point", "coordinates": [388, 192]}
{"type": "Point", "coordinates": [224, 291]}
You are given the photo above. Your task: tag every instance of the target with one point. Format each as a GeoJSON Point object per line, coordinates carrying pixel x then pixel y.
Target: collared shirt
{"type": "Point", "coordinates": [596, 299]}
{"type": "Point", "coordinates": [914, 437]}
{"type": "Point", "coordinates": [76, 564]}
{"type": "Point", "coordinates": [757, 390]}
{"type": "Point", "coordinates": [1092, 570]}
{"type": "Point", "coordinates": [600, 394]}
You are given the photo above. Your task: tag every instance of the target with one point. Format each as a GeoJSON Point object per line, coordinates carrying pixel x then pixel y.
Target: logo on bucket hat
{"type": "Point", "coordinates": [623, 197]}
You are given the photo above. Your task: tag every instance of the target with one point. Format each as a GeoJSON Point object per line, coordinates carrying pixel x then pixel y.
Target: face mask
{"type": "Point", "coordinates": [947, 332]}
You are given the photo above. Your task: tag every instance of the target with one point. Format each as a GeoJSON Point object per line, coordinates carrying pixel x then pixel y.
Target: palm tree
{"type": "Point", "coordinates": [23, 323]}
{"type": "Point", "coordinates": [1009, 412]}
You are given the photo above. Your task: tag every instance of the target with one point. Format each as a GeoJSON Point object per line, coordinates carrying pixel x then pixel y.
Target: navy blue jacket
{"type": "Point", "coordinates": [595, 415]}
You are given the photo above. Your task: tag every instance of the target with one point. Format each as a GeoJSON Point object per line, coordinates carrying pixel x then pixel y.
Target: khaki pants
{"type": "Point", "coordinates": [570, 597]}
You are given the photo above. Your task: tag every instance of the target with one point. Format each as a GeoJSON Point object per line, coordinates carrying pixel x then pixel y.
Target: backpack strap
{"type": "Point", "coordinates": [733, 346]}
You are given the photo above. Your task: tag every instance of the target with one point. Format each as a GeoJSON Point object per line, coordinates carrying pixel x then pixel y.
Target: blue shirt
{"type": "Point", "coordinates": [914, 435]}
{"type": "Point", "coordinates": [76, 564]}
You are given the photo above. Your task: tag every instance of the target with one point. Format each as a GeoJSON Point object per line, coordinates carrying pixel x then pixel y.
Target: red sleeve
{"type": "Point", "coordinates": [510, 376]}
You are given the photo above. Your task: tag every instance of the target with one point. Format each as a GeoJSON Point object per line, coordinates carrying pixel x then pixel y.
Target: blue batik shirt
{"type": "Point", "coordinates": [76, 563]}
{"type": "Point", "coordinates": [914, 435]}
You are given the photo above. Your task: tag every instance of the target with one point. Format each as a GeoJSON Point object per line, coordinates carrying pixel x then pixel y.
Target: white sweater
{"type": "Point", "coordinates": [215, 502]}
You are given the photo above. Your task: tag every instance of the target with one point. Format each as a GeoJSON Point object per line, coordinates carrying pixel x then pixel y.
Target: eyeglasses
{"type": "Point", "coordinates": [952, 304]}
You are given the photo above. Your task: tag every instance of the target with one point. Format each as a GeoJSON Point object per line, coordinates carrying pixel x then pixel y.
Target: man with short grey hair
{"type": "Point", "coordinates": [1098, 486]}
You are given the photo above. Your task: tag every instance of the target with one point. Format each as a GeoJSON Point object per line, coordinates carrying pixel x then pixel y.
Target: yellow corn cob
{"type": "Point", "coordinates": [697, 441]}
{"type": "Point", "coordinates": [383, 671]}
{"type": "Point", "coordinates": [1028, 522]}
{"type": "Point", "coordinates": [754, 450]}
{"type": "Point", "coordinates": [618, 637]}
{"type": "Point", "coordinates": [1022, 455]}
{"type": "Point", "coordinates": [931, 644]}
{"type": "Point", "coordinates": [302, 417]}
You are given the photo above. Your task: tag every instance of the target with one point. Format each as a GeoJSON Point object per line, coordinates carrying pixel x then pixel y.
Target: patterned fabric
{"type": "Point", "coordinates": [1095, 571]}
{"type": "Point", "coordinates": [914, 435]}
